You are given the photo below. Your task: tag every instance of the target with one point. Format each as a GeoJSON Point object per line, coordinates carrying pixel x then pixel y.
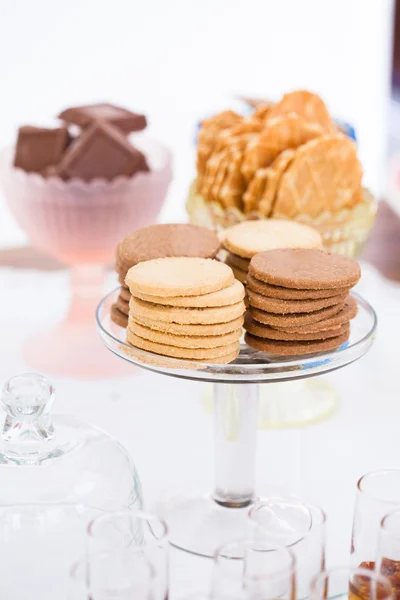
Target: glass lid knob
{"type": "Point", "coordinates": [27, 401]}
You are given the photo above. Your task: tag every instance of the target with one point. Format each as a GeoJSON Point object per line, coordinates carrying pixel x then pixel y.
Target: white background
{"type": "Point", "coordinates": [177, 59]}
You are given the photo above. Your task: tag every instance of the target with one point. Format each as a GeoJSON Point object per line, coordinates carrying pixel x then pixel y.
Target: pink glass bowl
{"type": "Point", "coordinates": [81, 222]}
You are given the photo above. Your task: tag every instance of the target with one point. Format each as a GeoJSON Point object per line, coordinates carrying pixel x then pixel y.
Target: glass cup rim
{"type": "Point", "coordinates": [369, 573]}
{"type": "Point", "coordinates": [314, 507]}
{"type": "Point", "coordinates": [85, 560]}
{"type": "Point", "coordinates": [376, 473]}
{"type": "Point", "coordinates": [383, 523]}
{"type": "Point", "coordinates": [247, 542]}
{"type": "Point", "coordinates": [142, 515]}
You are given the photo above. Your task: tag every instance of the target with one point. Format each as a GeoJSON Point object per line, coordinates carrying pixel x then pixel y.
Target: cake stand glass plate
{"type": "Point", "coordinates": [201, 524]}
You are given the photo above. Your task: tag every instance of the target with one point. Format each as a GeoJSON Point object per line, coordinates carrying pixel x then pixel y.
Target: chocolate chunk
{"type": "Point", "coordinates": [125, 120]}
{"type": "Point", "coordinates": [39, 148]}
{"type": "Point", "coordinates": [101, 151]}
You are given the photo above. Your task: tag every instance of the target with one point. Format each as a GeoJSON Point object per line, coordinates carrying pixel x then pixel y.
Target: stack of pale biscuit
{"type": "Point", "coordinates": [299, 301]}
{"type": "Point", "coordinates": [158, 241]}
{"type": "Point", "coordinates": [189, 308]}
{"type": "Point", "coordinates": [245, 240]}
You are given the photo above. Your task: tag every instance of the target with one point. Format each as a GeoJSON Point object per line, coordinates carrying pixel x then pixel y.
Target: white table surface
{"type": "Point", "coordinates": [164, 425]}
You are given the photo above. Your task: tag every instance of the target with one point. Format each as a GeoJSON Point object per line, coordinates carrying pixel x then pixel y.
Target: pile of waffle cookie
{"type": "Point", "coordinates": [288, 159]}
{"type": "Point", "coordinates": [158, 241]}
{"type": "Point", "coordinates": [188, 308]}
{"type": "Point", "coordinates": [299, 301]}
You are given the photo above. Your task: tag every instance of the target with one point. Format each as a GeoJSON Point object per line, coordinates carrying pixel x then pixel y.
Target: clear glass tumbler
{"type": "Point", "coordinates": [378, 493]}
{"type": "Point", "coordinates": [289, 522]}
{"type": "Point", "coordinates": [388, 557]}
{"type": "Point", "coordinates": [130, 531]}
{"type": "Point", "coordinates": [112, 576]}
{"type": "Point", "coordinates": [357, 584]}
{"type": "Point", "coordinates": [253, 570]}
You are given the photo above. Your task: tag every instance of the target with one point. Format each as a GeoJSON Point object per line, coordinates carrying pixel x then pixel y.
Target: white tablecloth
{"type": "Point", "coordinates": [164, 425]}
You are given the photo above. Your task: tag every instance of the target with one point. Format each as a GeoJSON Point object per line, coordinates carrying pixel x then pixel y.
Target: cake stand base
{"type": "Point", "coordinates": [199, 525]}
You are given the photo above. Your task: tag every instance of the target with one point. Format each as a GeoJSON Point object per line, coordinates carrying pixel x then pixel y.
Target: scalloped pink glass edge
{"type": "Point", "coordinates": [81, 222]}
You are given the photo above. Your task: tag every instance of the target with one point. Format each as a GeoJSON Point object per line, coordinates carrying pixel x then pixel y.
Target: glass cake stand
{"type": "Point", "coordinates": [199, 524]}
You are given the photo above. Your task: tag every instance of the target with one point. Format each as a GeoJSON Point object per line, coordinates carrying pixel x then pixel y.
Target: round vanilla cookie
{"type": "Point", "coordinates": [294, 319]}
{"type": "Point", "coordinates": [302, 268]}
{"type": "Point", "coordinates": [270, 333]}
{"type": "Point", "coordinates": [157, 360]}
{"type": "Point", "coordinates": [184, 341]}
{"type": "Point", "coordinates": [251, 237]}
{"type": "Point", "coordinates": [275, 291]}
{"type": "Point", "coordinates": [233, 260]}
{"type": "Point", "coordinates": [229, 295]}
{"type": "Point", "coordinates": [179, 277]}
{"type": "Point", "coordinates": [187, 316]}
{"type": "Point", "coordinates": [284, 348]}
{"type": "Point", "coordinates": [175, 352]}
{"type": "Point", "coordinates": [283, 307]}
{"type": "Point", "coordinates": [118, 317]}
{"type": "Point", "coordinates": [192, 330]}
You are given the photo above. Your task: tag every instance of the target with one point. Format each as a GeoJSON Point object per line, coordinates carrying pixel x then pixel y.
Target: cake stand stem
{"type": "Point", "coordinates": [235, 426]}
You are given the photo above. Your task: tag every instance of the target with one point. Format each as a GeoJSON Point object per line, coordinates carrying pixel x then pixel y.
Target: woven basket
{"type": "Point", "coordinates": [345, 232]}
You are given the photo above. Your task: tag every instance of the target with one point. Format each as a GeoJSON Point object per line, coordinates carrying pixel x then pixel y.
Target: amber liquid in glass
{"type": "Point", "coordinates": [360, 588]}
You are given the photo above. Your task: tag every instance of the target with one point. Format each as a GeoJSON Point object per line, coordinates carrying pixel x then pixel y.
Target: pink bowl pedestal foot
{"type": "Point", "coordinates": [73, 350]}
{"type": "Point", "coordinates": [72, 347]}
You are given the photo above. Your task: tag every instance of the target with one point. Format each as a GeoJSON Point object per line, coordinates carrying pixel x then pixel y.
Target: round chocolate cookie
{"type": "Point", "coordinates": [276, 291]}
{"type": "Point", "coordinates": [163, 241]}
{"type": "Point", "coordinates": [234, 260]}
{"type": "Point", "coordinates": [283, 307]}
{"type": "Point", "coordinates": [239, 274]}
{"type": "Point", "coordinates": [283, 348]}
{"type": "Point", "coordinates": [294, 319]}
{"type": "Point", "coordinates": [348, 312]}
{"type": "Point", "coordinates": [270, 333]}
{"type": "Point", "coordinates": [302, 268]}
{"type": "Point", "coordinates": [123, 306]}
{"type": "Point", "coordinates": [118, 317]}
{"type": "Point", "coordinates": [125, 294]}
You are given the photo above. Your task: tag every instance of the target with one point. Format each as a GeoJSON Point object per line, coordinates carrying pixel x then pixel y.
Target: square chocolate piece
{"type": "Point", "coordinates": [125, 120]}
{"type": "Point", "coordinates": [38, 148]}
{"type": "Point", "coordinates": [101, 151]}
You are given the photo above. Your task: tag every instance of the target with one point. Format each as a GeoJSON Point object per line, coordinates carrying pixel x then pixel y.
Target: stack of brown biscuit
{"type": "Point", "coordinates": [299, 301]}
{"type": "Point", "coordinates": [158, 241]}
{"type": "Point", "coordinates": [247, 239]}
{"type": "Point", "coordinates": [189, 308]}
